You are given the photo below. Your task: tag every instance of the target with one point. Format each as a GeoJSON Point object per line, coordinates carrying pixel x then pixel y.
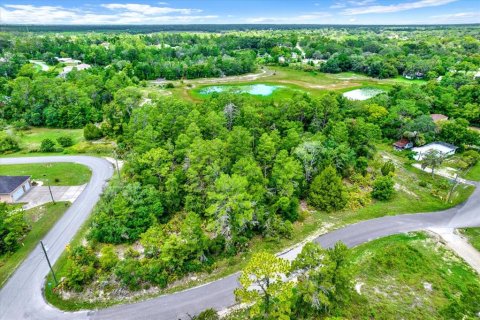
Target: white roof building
{"type": "Point", "coordinates": [443, 148]}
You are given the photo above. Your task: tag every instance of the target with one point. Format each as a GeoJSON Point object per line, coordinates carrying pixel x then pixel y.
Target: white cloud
{"type": "Point", "coordinates": [396, 7]}
{"type": "Point", "coordinates": [463, 17]}
{"type": "Point", "coordinates": [120, 14]}
{"type": "Point", "coordinates": [148, 9]}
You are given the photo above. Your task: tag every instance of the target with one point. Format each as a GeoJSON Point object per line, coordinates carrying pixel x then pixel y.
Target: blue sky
{"type": "Point", "coordinates": [240, 11]}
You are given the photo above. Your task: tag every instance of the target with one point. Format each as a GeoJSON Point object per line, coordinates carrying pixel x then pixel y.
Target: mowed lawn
{"type": "Point", "coordinates": [41, 219]}
{"type": "Point", "coordinates": [32, 139]}
{"type": "Point", "coordinates": [57, 174]}
{"type": "Point", "coordinates": [474, 173]}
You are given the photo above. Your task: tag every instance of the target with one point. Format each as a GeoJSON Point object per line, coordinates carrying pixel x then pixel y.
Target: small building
{"type": "Point", "coordinates": [281, 60]}
{"type": "Point", "coordinates": [436, 117]}
{"type": "Point", "coordinates": [403, 144]}
{"type": "Point", "coordinates": [13, 188]}
{"type": "Point", "coordinates": [446, 149]}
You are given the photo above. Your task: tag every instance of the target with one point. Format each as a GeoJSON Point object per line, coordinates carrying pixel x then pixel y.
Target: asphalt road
{"type": "Point", "coordinates": [21, 298]}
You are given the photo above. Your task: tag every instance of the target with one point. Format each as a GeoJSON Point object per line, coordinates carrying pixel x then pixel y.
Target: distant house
{"type": "Point", "coordinates": [281, 59]}
{"type": "Point", "coordinates": [476, 75]}
{"type": "Point", "coordinates": [436, 117]}
{"type": "Point", "coordinates": [13, 187]}
{"type": "Point", "coordinates": [403, 144]}
{"type": "Point", "coordinates": [446, 149]}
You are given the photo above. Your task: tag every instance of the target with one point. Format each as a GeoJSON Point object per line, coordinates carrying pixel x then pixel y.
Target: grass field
{"type": "Point", "coordinates": [473, 235]}
{"type": "Point", "coordinates": [474, 173]}
{"type": "Point", "coordinates": [57, 174]}
{"type": "Point", "coordinates": [31, 139]}
{"type": "Point", "coordinates": [412, 276]}
{"type": "Point", "coordinates": [41, 219]}
{"type": "Point", "coordinates": [312, 82]}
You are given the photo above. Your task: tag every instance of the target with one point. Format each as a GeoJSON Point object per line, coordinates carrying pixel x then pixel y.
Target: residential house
{"type": "Point", "coordinates": [13, 188]}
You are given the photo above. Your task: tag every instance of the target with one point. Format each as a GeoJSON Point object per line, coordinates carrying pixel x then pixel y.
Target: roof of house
{"type": "Point", "coordinates": [401, 143]}
{"type": "Point", "coordinates": [438, 117]}
{"type": "Point", "coordinates": [8, 184]}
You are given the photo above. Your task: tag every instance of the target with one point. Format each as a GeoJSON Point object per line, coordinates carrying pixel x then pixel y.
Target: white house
{"type": "Point", "coordinates": [443, 148]}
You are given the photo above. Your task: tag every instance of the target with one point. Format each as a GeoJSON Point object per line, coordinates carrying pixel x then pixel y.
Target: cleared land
{"type": "Point", "coordinates": [42, 220]}
{"type": "Point", "coordinates": [31, 139]}
{"type": "Point", "coordinates": [57, 174]}
{"type": "Point", "coordinates": [313, 82]}
{"type": "Point", "coordinates": [413, 276]}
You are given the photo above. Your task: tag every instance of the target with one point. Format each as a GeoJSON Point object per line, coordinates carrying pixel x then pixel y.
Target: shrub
{"type": "Point", "coordinates": [387, 168]}
{"type": "Point", "coordinates": [108, 258]}
{"type": "Point", "coordinates": [8, 144]}
{"type": "Point", "coordinates": [209, 314]}
{"type": "Point", "coordinates": [383, 188]}
{"type": "Point", "coordinates": [91, 132]}
{"type": "Point", "coordinates": [65, 141]}
{"type": "Point", "coordinates": [169, 86]}
{"type": "Point", "coordinates": [47, 145]}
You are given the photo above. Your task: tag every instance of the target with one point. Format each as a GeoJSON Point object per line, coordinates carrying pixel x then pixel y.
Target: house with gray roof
{"type": "Point", "coordinates": [13, 188]}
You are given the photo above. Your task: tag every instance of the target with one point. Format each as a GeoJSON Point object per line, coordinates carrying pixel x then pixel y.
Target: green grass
{"type": "Point", "coordinates": [310, 81]}
{"type": "Point", "coordinates": [31, 139]}
{"type": "Point", "coordinates": [396, 273]}
{"type": "Point", "coordinates": [474, 173]}
{"type": "Point", "coordinates": [41, 219]}
{"type": "Point", "coordinates": [473, 235]}
{"type": "Point", "coordinates": [57, 174]}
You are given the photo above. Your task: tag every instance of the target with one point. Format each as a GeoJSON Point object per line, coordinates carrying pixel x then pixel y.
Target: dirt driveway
{"type": "Point", "coordinates": [39, 195]}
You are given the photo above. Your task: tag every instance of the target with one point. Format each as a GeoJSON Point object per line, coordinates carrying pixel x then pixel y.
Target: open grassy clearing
{"type": "Point", "coordinates": [41, 219]}
{"type": "Point", "coordinates": [473, 236]}
{"type": "Point", "coordinates": [31, 139]}
{"type": "Point", "coordinates": [474, 173]}
{"type": "Point", "coordinates": [57, 174]}
{"type": "Point", "coordinates": [410, 198]}
{"type": "Point", "coordinates": [312, 82]}
{"type": "Point", "coordinates": [413, 276]}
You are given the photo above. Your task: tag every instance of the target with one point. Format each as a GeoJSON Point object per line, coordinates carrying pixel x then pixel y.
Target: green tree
{"type": "Point", "coordinates": [327, 191]}
{"type": "Point", "coordinates": [231, 207]}
{"type": "Point", "coordinates": [12, 228]}
{"type": "Point", "coordinates": [432, 159]}
{"type": "Point", "coordinates": [262, 284]}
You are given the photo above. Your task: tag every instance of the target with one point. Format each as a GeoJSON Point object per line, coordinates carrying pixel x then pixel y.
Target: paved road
{"type": "Point", "coordinates": [21, 298]}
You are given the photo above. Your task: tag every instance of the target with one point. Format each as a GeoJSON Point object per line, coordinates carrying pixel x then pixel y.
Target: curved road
{"type": "Point", "coordinates": [21, 298]}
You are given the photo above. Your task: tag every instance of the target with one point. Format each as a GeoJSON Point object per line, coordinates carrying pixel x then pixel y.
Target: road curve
{"type": "Point", "coordinates": [21, 298]}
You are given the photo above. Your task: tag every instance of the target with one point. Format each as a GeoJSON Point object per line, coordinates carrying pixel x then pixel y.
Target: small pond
{"type": "Point", "coordinates": [253, 89]}
{"type": "Point", "coordinates": [362, 94]}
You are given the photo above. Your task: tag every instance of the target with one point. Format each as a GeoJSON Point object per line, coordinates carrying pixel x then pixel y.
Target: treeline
{"type": "Point", "coordinates": [170, 56]}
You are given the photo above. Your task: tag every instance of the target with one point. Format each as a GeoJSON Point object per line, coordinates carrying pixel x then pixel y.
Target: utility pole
{"type": "Point", "coordinates": [49, 264]}
{"type": "Point", "coordinates": [49, 189]}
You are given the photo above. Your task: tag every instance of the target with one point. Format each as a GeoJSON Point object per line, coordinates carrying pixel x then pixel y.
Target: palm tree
{"type": "Point", "coordinates": [432, 159]}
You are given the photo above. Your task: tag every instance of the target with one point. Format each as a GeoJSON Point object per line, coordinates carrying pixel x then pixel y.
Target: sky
{"type": "Point", "coordinates": [358, 12]}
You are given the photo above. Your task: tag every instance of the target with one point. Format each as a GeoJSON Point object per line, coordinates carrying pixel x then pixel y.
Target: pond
{"type": "Point", "coordinates": [362, 94]}
{"type": "Point", "coordinates": [253, 89]}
